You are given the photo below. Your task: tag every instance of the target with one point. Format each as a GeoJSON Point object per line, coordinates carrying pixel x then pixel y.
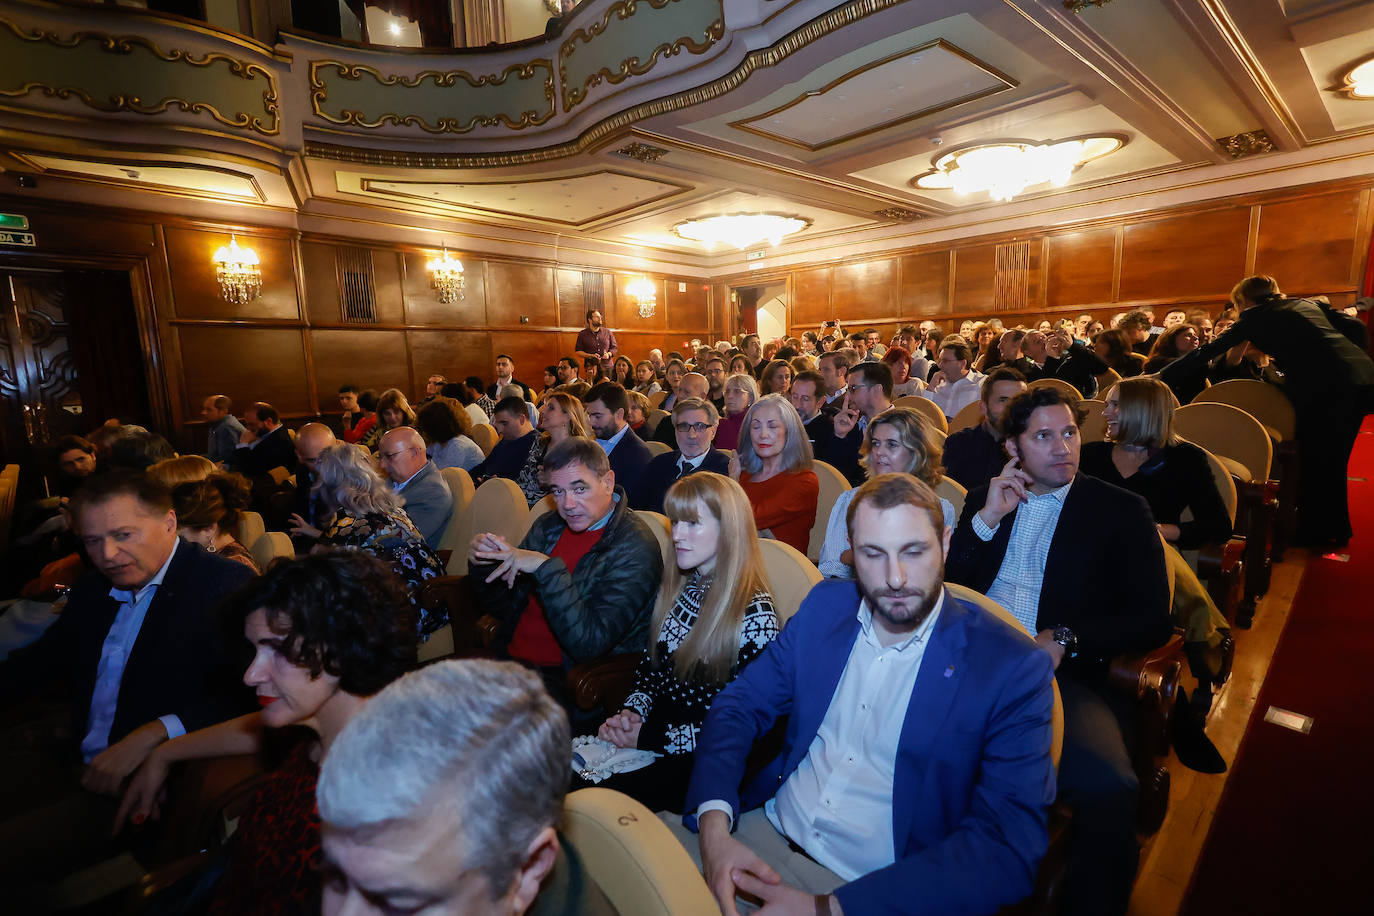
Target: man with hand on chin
{"type": "Point", "coordinates": [915, 774]}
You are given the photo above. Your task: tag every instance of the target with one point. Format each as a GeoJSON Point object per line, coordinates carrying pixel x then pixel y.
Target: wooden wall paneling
{"type": "Point", "coordinates": [1308, 244]}
{"type": "Point", "coordinates": [319, 268]}
{"type": "Point", "coordinates": [810, 303]}
{"type": "Point", "coordinates": [689, 305]}
{"type": "Point", "coordinates": [1080, 267]}
{"type": "Point", "coordinates": [387, 286]}
{"type": "Point", "coordinates": [626, 307]}
{"type": "Point", "coordinates": [975, 274]}
{"type": "Point", "coordinates": [531, 350]}
{"type": "Point", "coordinates": [572, 298]}
{"type": "Point", "coordinates": [247, 364]}
{"type": "Point", "coordinates": [196, 292]}
{"type": "Point", "coordinates": [452, 354]}
{"type": "Point", "coordinates": [422, 305]}
{"type": "Point", "coordinates": [366, 358]}
{"type": "Point", "coordinates": [636, 345]}
{"type": "Point", "coordinates": [1190, 255]}
{"type": "Point", "coordinates": [924, 291]}
{"type": "Point", "coordinates": [867, 289]}
{"type": "Point", "coordinates": [516, 291]}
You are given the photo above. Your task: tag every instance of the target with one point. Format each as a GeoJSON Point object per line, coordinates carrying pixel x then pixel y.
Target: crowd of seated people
{"type": "Point", "coordinates": [831, 818]}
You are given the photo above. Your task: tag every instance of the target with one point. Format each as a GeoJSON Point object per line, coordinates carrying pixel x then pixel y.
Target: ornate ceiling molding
{"type": "Point", "coordinates": [1249, 143]}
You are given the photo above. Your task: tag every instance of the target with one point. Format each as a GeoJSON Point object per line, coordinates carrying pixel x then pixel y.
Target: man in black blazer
{"type": "Point", "coordinates": [1067, 359]}
{"type": "Point", "coordinates": [695, 422]}
{"type": "Point", "coordinates": [266, 443]}
{"type": "Point", "coordinates": [1081, 565]}
{"type": "Point", "coordinates": [607, 406]}
{"type": "Point", "coordinates": [137, 647]}
{"type": "Point", "coordinates": [808, 396]}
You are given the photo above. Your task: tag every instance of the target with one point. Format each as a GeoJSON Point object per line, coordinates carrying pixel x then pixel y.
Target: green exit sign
{"type": "Point", "coordinates": [13, 221]}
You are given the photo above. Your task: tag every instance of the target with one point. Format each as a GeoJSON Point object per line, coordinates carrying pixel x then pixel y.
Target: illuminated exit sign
{"type": "Point", "coordinates": [13, 221]}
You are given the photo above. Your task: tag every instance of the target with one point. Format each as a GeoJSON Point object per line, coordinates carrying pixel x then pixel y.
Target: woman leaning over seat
{"type": "Point", "coordinates": [898, 440]}
{"type": "Point", "coordinates": [209, 510]}
{"type": "Point", "coordinates": [773, 465]}
{"type": "Point", "coordinates": [326, 631]}
{"type": "Point", "coordinates": [444, 423]}
{"type": "Point", "coordinates": [367, 515]}
{"type": "Point", "coordinates": [713, 616]}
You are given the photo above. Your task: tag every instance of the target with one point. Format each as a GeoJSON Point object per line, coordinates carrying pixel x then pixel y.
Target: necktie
{"type": "Point", "coordinates": [684, 467]}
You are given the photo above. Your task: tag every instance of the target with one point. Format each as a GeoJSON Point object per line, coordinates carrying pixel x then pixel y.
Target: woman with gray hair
{"type": "Point", "coordinates": [367, 515]}
{"type": "Point", "coordinates": [741, 391]}
{"type": "Point", "coordinates": [774, 468]}
{"type": "Point", "coordinates": [897, 441]}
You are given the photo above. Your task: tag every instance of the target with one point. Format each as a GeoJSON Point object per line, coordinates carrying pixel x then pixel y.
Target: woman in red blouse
{"type": "Point", "coordinates": [773, 465]}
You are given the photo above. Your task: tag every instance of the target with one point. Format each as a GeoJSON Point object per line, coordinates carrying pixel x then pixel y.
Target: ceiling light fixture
{"type": "Point", "coordinates": [1004, 170]}
{"type": "Point", "coordinates": [238, 271]}
{"type": "Point", "coordinates": [642, 290]}
{"type": "Point", "coordinates": [1359, 82]}
{"type": "Point", "coordinates": [446, 276]}
{"type": "Point", "coordinates": [741, 230]}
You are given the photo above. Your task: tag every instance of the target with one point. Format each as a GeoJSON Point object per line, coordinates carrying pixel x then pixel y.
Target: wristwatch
{"type": "Point", "coordinates": [1068, 639]}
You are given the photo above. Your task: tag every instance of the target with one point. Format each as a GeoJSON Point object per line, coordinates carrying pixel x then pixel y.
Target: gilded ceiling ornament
{"type": "Point", "coordinates": [642, 152]}
{"type": "Point", "coordinates": [1249, 143]}
{"type": "Point", "coordinates": [898, 214]}
{"type": "Point", "coordinates": [1078, 6]}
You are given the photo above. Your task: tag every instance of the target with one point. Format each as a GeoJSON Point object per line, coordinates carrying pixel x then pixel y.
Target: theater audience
{"type": "Point", "coordinates": [506, 384]}
{"type": "Point", "coordinates": [673, 372]}
{"type": "Point", "coordinates": [696, 423]}
{"type": "Point", "coordinates": [562, 416]}
{"type": "Point", "coordinates": [623, 372]}
{"type": "Point", "coordinates": [136, 449]}
{"type": "Point", "coordinates": [776, 378]}
{"type": "Point", "coordinates": [904, 383]}
{"type": "Point", "coordinates": [366, 514]}
{"type": "Point", "coordinates": [646, 380]}
{"type": "Point", "coordinates": [306, 514]}
{"type": "Point", "coordinates": [808, 396]}
{"type": "Point", "coordinates": [1114, 348]}
{"type": "Point", "coordinates": [445, 425]}
{"type": "Point", "coordinates": [393, 412]}
{"type": "Point", "coordinates": [359, 416]}
{"type": "Point", "coordinates": [954, 385]}
{"type": "Point", "coordinates": [1179, 340]}
{"type": "Point", "coordinates": [692, 385]}
{"type": "Point", "coordinates": [423, 490]}
{"type": "Point", "coordinates": [467, 761]}
{"type": "Point", "coordinates": [977, 775]}
{"type": "Point", "coordinates": [581, 584]}
{"type": "Point", "coordinates": [773, 465]}
{"type": "Point", "coordinates": [1048, 543]}
{"type": "Point", "coordinates": [607, 415]}
{"type": "Point", "coordinates": [973, 455]}
{"type": "Point", "coordinates": [225, 430]}
{"type": "Point", "coordinates": [265, 443]}
{"type": "Point", "coordinates": [713, 617]}
{"type": "Point", "coordinates": [171, 472]}
{"type": "Point", "coordinates": [739, 363]}
{"type": "Point", "coordinates": [898, 441]}
{"type": "Point", "coordinates": [326, 632]}
{"type": "Point", "coordinates": [637, 415]}
{"type": "Point", "coordinates": [834, 368]}
{"type": "Point", "coordinates": [208, 513]}
{"type": "Point", "coordinates": [518, 452]}
{"type": "Point", "coordinates": [869, 394]}
{"type": "Point", "coordinates": [1069, 361]}
{"type": "Point", "coordinates": [1138, 326]}
{"type": "Point", "coordinates": [137, 652]}
{"type": "Point", "coordinates": [741, 392]}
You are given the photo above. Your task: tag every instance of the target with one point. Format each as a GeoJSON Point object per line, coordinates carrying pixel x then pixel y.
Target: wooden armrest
{"type": "Point", "coordinates": [454, 594]}
{"type": "Point", "coordinates": [1153, 679]}
{"type": "Point", "coordinates": [488, 626]}
{"type": "Point", "coordinates": [605, 682]}
{"type": "Point", "coordinates": [1219, 559]}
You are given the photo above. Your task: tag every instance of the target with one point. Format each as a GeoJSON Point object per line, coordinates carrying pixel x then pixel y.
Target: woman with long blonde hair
{"type": "Point", "coordinates": [562, 416]}
{"type": "Point", "coordinates": [713, 616]}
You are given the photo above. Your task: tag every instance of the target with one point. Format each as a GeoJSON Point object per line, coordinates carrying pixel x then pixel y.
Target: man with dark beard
{"type": "Point", "coordinates": [915, 774]}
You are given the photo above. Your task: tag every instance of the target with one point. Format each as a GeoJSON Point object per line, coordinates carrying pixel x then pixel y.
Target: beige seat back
{"type": "Point", "coordinates": [271, 546]}
{"type": "Point", "coordinates": [484, 434]}
{"type": "Point", "coordinates": [954, 491]}
{"type": "Point", "coordinates": [250, 529]}
{"type": "Point", "coordinates": [633, 857]}
{"type": "Point", "coordinates": [460, 485]}
{"type": "Point", "coordinates": [653, 418]}
{"type": "Point", "coordinates": [790, 576]}
{"type": "Point", "coordinates": [964, 593]}
{"type": "Point", "coordinates": [833, 483]}
{"type": "Point", "coordinates": [1094, 428]}
{"type": "Point", "coordinates": [657, 398]}
{"type": "Point", "coordinates": [540, 507]}
{"type": "Point", "coordinates": [662, 527]}
{"type": "Point", "coordinates": [1261, 400]}
{"type": "Point", "coordinates": [658, 448]}
{"type": "Point", "coordinates": [1051, 382]}
{"type": "Point", "coordinates": [926, 408]}
{"type": "Point", "coordinates": [968, 415]}
{"type": "Point", "coordinates": [1227, 432]}
{"type": "Point", "coordinates": [497, 506]}
{"type": "Point", "coordinates": [1107, 380]}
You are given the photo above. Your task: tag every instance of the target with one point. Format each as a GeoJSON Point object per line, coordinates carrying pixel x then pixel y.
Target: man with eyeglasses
{"type": "Point", "coordinates": [428, 499]}
{"type": "Point", "coordinates": [869, 394]}
{"type": "Point", "coordinates": [694, 421]}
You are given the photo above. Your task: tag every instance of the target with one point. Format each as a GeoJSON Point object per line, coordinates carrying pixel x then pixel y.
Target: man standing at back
{"type": "Point", "coordinates": [225, 429]}
{"type": "Point", "coordinates": [596, 341]}
{"type": "Point", "coordinates": [607, 407]}
{"type": "Point", "coordinates": [428, 499]}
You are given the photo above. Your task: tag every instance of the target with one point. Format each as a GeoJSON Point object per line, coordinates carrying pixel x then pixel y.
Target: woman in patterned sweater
{"type": "Point", "coordinates": [714, 615]}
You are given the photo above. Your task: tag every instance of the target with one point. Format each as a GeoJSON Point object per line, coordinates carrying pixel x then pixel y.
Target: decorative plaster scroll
{"type": "Point", "coordinates": [127, 73]}
{"type": "Point", "coordinates": [1249, 143]}
{"type": "Point", "coordinates": [698, 24]}
{"type": "Point", "coordinates": [359, 93]}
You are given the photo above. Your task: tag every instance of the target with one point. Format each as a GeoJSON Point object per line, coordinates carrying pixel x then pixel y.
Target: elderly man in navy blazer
{"type": "Point", "coordinates": [694, 422]}
{"type": "Point", "coordinates": [607, 406]}
{"type": "Point", "coordinates": [915, 774]}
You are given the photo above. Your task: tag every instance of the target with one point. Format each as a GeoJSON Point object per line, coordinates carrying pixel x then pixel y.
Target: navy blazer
{"type": "Point", "coordinates": [974, 777]}
{"type": "Point", "coordinates": [179, 664]}
{"type": "Point", "coordinates": [1105, 576]}
{"type": "Point", "coordinates": [661, 474]}
{"type": "Point", "coordinates": [629, 458]}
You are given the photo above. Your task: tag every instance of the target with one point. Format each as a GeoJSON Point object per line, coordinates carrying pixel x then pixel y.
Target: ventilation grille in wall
{"type": "Point", "coordinates": [357, 297]}
{"type": "Point", "coordinates": [1012, 282]}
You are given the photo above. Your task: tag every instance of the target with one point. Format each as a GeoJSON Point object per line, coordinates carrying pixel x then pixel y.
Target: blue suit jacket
{"type": "Point", "coordinates": [974, 777]}
{"type": "Point", "coordinates": [628, 459]}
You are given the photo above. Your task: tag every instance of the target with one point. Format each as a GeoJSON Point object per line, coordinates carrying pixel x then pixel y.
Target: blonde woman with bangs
{"type": "Point", "coordinates": [713, 617]}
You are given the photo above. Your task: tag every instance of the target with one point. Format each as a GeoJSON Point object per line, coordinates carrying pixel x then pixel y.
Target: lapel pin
{"type": "Point", "coordinates": [949, 672]}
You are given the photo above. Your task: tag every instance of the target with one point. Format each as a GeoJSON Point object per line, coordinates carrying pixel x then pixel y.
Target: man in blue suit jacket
{"type": "Point", "coordinates": [916, 765]}
{"type": "Point", "coordinates": [607, 406]}
{"type": "Point", "coordinates": [699, 421]}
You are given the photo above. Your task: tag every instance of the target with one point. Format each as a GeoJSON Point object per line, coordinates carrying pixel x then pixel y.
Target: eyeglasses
{"type": "Point", "coordinates": [862, 387]}
{"type": "Point", "coordinates": [392, 456]}
{"type": "Point", "coordinates": [685, 428]}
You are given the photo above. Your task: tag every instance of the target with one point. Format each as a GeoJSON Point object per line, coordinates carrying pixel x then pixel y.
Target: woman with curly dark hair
{"type": "Point", "coordinates": [209, 510]}
{"type": "Point", "coordinates": [327, 631]}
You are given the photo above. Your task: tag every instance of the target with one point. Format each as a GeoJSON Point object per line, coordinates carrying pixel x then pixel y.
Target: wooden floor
{"type": "Point", "coordinates": [1167, 863]}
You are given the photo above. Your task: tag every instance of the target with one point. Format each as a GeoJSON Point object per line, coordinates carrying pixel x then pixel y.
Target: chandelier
{"type": "Point", "coordinates": [741, 229]}
{"type": "Point", "coordinates": [1004, 170]}
{"type": "Point", "coordinates": [642, 291]}
{"type": "Point", "coordinates": [446, 276]}
{"type": "Point", "coordinates": [1359, 82]}
{"type": "Point", "coordinates": [238, 272]}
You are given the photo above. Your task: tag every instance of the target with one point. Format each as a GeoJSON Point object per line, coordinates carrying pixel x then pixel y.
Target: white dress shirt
{"type": "Point", "coordinates": [953, 397]}
{"type": "Point", "coordinates": [608, 445]}
{"type": "Point", "coordinates": [837, 804]}
{"type": "Point", "coordinates": [1018, 583]}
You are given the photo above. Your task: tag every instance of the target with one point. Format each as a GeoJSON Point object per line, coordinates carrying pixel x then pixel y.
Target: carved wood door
{"type": "Point", "coordinates": [38, 385]}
